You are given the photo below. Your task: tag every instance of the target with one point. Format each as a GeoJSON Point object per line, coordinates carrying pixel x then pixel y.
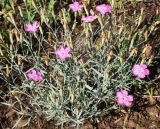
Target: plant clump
{"type": "Point", "coordinates": [73, 62]}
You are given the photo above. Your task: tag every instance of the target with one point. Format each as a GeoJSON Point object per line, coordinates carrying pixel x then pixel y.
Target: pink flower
{"type": "Point", "coordinates": [89, 19]}
{"type": "Point", "coordinates": [63, 53]}
{"type": "Point", "coordinates": [75, 6]}
{"type": "Point", "coordinates": [123, 98]}
{"type": "Point", "coordinates": [34, 75]}
{"type": "Point", "coordinates": [140, 70]}
{"type": "Point", "coordinates": [103, 8]}
{"type": "Point", "coordinates": [31, 27]}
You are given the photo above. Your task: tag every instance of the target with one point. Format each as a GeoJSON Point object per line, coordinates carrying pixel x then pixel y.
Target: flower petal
{"type": "Point", "coordinates": [124, 92]}
{"type": "Point", "coordinates": [120, 101]}
{"type": "Point", "coordinates": [130, 98]}
{"type": "Point", "coordinates": [119, 94]}
{"type": "Point", "coordinates": [127, 103]}
{"type": "Point", "coordinates": [147, 72]}
{"type": "Point", "coordinates": [143, 66]}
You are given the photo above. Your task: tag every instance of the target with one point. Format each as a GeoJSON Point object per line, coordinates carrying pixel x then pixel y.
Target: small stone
{"type": "Point", "coordinates": [142, 128]}
{"type": "Point", "coordinates": [86, 126]}
{"type": "Point", "coordinates": [153, 125]}
{"type": "Point", "coordinates": [152, 112]}
{"type": "Point", "coordinates": [131, 124]}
